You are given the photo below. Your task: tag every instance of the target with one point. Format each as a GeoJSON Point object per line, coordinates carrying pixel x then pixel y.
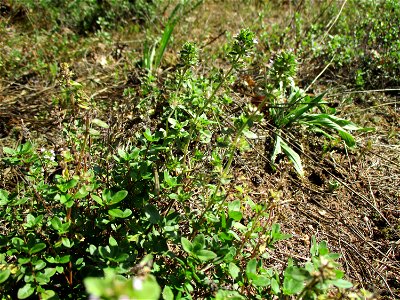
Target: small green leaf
{"type": "Point", "coordinates": [277, 148]}
{"type": "Point", "coordinates": [48, 295]}
{"type": "Point", "coordinates": [152, 214]}
{"type": "Point", "coordinates": [205, 255]}
{"type": "Point", "coordinates": [187, 245]}
{"type": "Point", "coordinates": [9, 151]}
{"type": "Point", "coordinates": [24, 260]}
{"type": "Point", "coordinates": [173, 122]}
{"type": "Point", "coordinates": [56, 223]}
{"type": "Point", "coordinates": [234, 270]}
{"type": "Point", "coordinates": [18, 243]}
{"type": "Point", "coordinates": [66, 242]}
{"type": "Point", "coordinates": [63, 187]}
{"type": "Point", "coordinates": [4, 275]}
{"type": "Point", "coordinates": [3, 197]}
{"type": "Point", "coordinates": [20, 201]}
{"type": "Point", "coordinates": [277, 235]}
{"type": "Point", "coordinates": [249, 134]}
{"type": "Point", "coordinates": [167, 293]}
{"type": "Point", "coordinates": [121, 257]}
{"type": "Point", "coordinates": [118, 197]}
{"type": "Point", "coordinates": [79, 261]}
{"type": "Point", "coordinates": [235, 215]}
{"type": "Point", "coordinates": [43, 278]}
{"type": "Point", "coordinates": [92, 249]}
{"type": "Point", "coordinates": [170, 180]}
{"type": "Point", "coordinates": [93, 132]}
{"type": "Point", "coordinates": [25, 291]}
{"type": "Point", "coordinates": [75, 84]}
{"type": "Point", "coordinates": [205, 136]}
{"type": "Point", "coordinates": [234, 210]}
{"type": "Point", "coordinates": [275, 286]}
{"type": "Point", "coordinates": [122, 153]}
{"type": "Point", "coordinates": [261, 281]}
{"type": "Point", "coordinates": [39, 265]}
{"type": "Point", "coordinates": [198, 242]}
{"type": "Point", "coordinates": [100, 123]}
{"type": "Point", "coordinates": [30, 221]}
{"type": "Point", "coordinates": [117, 213]}
{"type": "Point", "coordinates": [234, 205]}
{"type": "Point", "coordinates": [97, 199]}
{"type": "Point", "coordinates": [81, 193]}
{"type": "Point", "coordinates": [291, 286]}
{"type": "Point", "coordinates": [147, 134]}
{"type": "Point", "coordinates": [37, 248]}
{"type": "Point", "coordinates": [251, 269]}
{"type": "Point", "coordinates": [112, 242]}
{"type": "Point", "coordinates": [296, 273]}
{"type": "Point", "coordinates": [64, 259]}
{"type": "Point", "coordinates": [342, 284]}
{"type": "Point", "coordinates": [228, 295]}
{"type": "Point", "coordinates": [105, 252]}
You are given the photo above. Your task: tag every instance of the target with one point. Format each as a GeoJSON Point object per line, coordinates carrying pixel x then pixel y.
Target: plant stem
{"type": "Point", "coordinates": [207, 102]}
{"type": "Point", "coordinates": [237, 136]}
{"type": "Point", "coordinates": [226, 169]}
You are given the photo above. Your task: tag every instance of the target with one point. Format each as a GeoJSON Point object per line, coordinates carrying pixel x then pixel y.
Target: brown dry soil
{"type": "Point", "coordinates": [349, 197]}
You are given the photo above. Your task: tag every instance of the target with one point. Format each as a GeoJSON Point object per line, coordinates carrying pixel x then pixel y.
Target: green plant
{"type": "Point", "coordinates": [290, 107]}
{"type": "Point", "coordinates": [317, 276]}
{"type": "Point", "coordinates": [114, 286]}
{"type": "Point", "coordinates": [157, 211]}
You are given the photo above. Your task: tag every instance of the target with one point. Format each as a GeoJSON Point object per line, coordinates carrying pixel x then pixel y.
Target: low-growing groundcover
{"type": "Point", "coordinates": [192, 181]}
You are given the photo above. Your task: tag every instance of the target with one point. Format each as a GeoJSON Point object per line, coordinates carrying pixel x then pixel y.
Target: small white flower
{"type": "Point", "coordinates": [124, 297]}
{"type": "Point", "coordinates": [137, 284]}
{"type": "Point", "coordinates": [255, 41]}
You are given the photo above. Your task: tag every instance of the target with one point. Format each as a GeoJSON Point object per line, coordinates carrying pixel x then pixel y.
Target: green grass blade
{"type": "Point", "coordinates": [320, 130]}
{"type": "Point", "coordinates": [347, 138]}
{"type": "Point", "coordinates": [166, 37]}
{"type": "Point", "coordinates": [295, 114]}
{"type": "Point", "coordinates": [148, 56]}
{"type": "Point", "coordinates": [293, 157]}
{"type": "Point", "coordinates": [277, 149]}
{"type": "Point", "coordinates": [321, 120]}
{"type": "Point", "coordinates": [348, 125]}
{"type": "Point", "coordinates": [334, 123]}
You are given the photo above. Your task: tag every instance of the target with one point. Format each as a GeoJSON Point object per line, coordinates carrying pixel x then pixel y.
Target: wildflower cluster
{"type": "Point", "coordinates": [242, 46]}
{"type": "Point", "coordinates": [189, 55]}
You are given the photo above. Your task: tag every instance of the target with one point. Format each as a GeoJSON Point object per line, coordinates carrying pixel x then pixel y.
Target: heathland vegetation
{"type": "Point", "coordinates": [199, 149]}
